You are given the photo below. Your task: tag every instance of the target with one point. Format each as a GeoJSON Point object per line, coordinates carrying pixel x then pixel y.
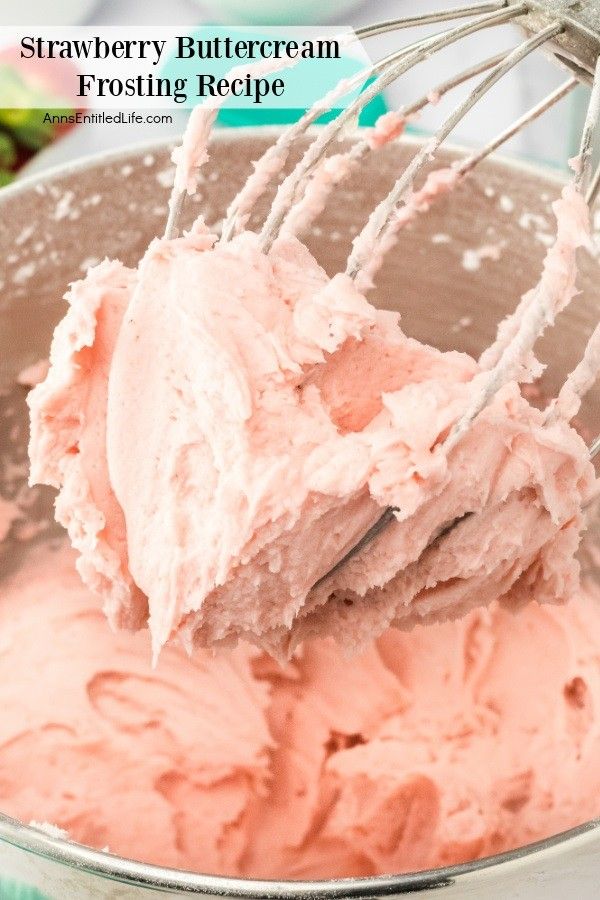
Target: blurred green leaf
{"type": "Point", "coordinates": [8, 151]}
{"type": "Point", "coordinates": [5, 177]}
{"type": "Point", "coordinates": [23, 108]}
{"type": "Point", "coordinates": [11, 117]}
{"type": "Point", "coordinates": [34, 134]}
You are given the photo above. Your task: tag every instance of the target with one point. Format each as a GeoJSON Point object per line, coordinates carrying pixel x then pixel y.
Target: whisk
{"type": "Point", "coordinates": [568, 29]}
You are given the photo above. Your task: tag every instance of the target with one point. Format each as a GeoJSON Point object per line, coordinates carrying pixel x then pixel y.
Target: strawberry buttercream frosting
{"type": "Point", "coordinates": [223, 424]}
{"type": "Point", "coordinates": [432, 747]}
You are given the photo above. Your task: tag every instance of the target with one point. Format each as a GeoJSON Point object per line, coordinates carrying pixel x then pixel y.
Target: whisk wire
{"type": "Point", "coordinates": [276, 156]}
{"type": "Point", "coordinates": [442, 89]}
{"type": "Point", "coordinates": [430, 18]}
{"type": "Point", "coordinates": [308, 206]}
{"type": "Point", "coordinates": [538, 314]}
{"type": "Point", "coordinates": [382, 217]}
{"type": "Point", "coordinates": [582, 176]}
{"type": "Point", "coordinates": [593, 188]}
{"type": "Point", "coordinates": [287, 190]}
{"type": "Point", "coordinates": [526, 119]}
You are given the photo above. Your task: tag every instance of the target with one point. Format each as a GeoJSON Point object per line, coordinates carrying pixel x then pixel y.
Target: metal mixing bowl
{"type": "Point", "coordinates": [52, 227]}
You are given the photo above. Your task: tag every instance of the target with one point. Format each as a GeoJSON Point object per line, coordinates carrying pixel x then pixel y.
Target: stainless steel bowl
{"type": "Point", "coordinates": [53, 226]}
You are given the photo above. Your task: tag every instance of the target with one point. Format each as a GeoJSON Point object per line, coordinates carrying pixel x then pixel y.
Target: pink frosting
{"type": "Point", "coordinates": [388, 126]}
{"type": "Point", "coordinates": [317, 191]}
{"type": "Point", "coordinates": [432, 747]}
{"type": "Point", "coordinates": [192, 153]}
{"type": "Point", "coordinates": [68, 432]}
{"type": "Point", "coordinates": [557, 286]}
{"type": "Point", "coordinates": [239, 420]}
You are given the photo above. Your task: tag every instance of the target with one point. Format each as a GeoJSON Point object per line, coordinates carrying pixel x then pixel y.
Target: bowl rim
{"type": "Point", "coordinates": [549, 172]}
{"type": "Point", "coordinates": [132, 872]}
{"type": "Point", "coordinates": [109, 866]}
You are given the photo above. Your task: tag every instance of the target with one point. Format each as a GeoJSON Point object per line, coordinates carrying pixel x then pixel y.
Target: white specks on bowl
{"type": "Point", "coordinates": [472, 259]}
{"type": "Point", "coordinates": [24, 235]}
{"type": "Point", "coordinates": [148, 160]}
{"type": "Point", "coordinates": [63, 207]}
{"type": "Point", "coordinates": [463, 322]}
{"type": "Point", "coordinates": [545, 238]}
{"type": "Point", "coordinates": [489, 191]}
{"type": "Point", "coordinates": [126, 170]}
{"type": "Point", "coordinates": [166, 177]}
{"type": "Point", "coordinates": [440, 238]}
{"type": "Point", "coordinates": [34, 373]}
{"type": "Point", "coordinates": [507, 204]}
{"type": "Point", "coordinates": [88, 262]}
{"type": "Point", "coordinates": [24, 273]}
{"type": "Point", "coordinates": [529, 220]}
{"type": "Point", "coordinates": [53, 830]}
{"type": "Point", "coordinates": [9, 513]}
